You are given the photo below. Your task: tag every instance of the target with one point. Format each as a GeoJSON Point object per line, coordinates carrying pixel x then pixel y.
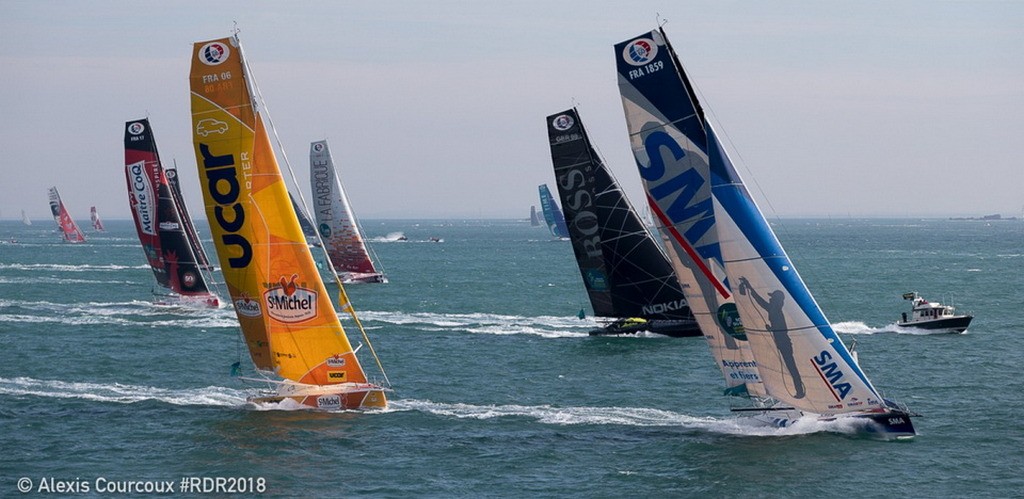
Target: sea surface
{"type": "Point", "coordinates": [499, 391]}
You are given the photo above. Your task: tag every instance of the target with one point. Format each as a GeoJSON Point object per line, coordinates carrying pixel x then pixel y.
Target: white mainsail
{"type": "Point", "coordinates": [336, 221]}
{"type": "Point", "coordinates": [726, 254]}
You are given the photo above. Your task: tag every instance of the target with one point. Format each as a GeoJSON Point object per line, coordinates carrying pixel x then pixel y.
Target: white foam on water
{"type": "Point", "coordinates": [480, 323]}
{"type": "Point", "coordinates": [628, 416]}
{"type": "Point", "coordinates": [121, 393]}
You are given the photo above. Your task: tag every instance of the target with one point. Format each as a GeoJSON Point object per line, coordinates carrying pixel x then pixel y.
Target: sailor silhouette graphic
{"type": "Point", "coordinates": [780, 331]}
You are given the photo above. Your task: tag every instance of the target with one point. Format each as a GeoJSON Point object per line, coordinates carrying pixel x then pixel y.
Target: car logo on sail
{"type": "Point", "coordinates": [290, 303]}
{"type": "Point", "coordinates": [563, 122]}
{"type": "Point", "coordinates": [214, 53]}
{"type": "Point", "coordinates": [136, 128]}
{"type": "Point", "coordinates": [318, 147]}
{"type": "Point", "coordinates": [640, 51]}
{"type": "Point", "coordinates": [209, 125]}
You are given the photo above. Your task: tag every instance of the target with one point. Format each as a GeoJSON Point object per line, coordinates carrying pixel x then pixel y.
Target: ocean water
{"type": "Point", "coordinates": [498, 389]}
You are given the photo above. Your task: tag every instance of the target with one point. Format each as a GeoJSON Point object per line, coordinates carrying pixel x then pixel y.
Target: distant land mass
{"type": "Point", "coordinates": [986, 217]}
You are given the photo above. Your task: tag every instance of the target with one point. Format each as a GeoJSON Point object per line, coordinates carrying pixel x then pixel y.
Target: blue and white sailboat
{"type": "Point", "coordinates": [552, 213]}
{"type": "Point", "coordinates": [756, 311]}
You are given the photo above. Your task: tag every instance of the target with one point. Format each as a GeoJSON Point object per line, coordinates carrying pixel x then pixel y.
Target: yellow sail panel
{"type": "Point", "coordinates": [282, 304]}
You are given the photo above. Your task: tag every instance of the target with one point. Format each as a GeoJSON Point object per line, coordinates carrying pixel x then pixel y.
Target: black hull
{"type": "Point", "coordinates": [956, 324]}
{"type": "Point", "coordinates": [893, 424]}
{"type": "Point", "coordinates": [673, 329]}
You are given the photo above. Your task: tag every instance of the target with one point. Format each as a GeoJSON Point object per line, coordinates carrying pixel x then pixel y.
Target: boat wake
{"type": "Point", "coordinates": [481, 323]}
{"type": "Point", "coordinates": [391, 237]}
{"type": "Point", "coordinates": [862, 328]}
{"type": "Point", "coordinates": [625, 416]}
{"type": "Point", "coordinates": [120, 393]}
{"type": "Point", "coordinates": [854, 327]}
{"type": "Point", "coordinates": [130, 313]}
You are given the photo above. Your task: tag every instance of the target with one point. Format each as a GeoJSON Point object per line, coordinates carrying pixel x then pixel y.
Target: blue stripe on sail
{"type": "Point", "coordinates": [734, 198]}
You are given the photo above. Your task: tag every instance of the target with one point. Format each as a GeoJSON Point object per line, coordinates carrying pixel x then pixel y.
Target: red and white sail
{"type": "Point", "coordinates": [336, 222]}
{"type": "Point", "coordinates": [69, 229]}
{"type": "Point", "coordinates": [95, 217]}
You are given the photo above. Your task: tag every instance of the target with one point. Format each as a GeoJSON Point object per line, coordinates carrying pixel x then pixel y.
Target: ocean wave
{"type": "Point", "coordinates": [68, 268]}
{"type": "Point", "coordinates": [130, 313]}
{"type": "Point", "coordinates": [121, 393]}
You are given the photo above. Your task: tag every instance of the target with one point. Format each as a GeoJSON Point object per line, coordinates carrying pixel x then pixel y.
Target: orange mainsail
{"type": "Point", "coordinates": [282, 304]}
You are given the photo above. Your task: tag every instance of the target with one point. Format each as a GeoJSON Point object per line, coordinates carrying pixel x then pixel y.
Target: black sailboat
{"type": "Point", "coordinates": [627, 275]}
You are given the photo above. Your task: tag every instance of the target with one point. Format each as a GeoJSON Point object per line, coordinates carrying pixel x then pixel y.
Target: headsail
{"type": "Point", "coordinates": [68, 228]}
{"type": "Point", "coordinates": [624, 269]}
{"type": "Point", "coordinates": [336, 220]}
{"type": "Point", "coordinates": [534, 220]}
{"type": "Point", "coordinates": [97, 224]}
{"type": "Point", "coordinates": [285, 313]}
{"type": "Point", "coordinates": [162, 231]}
{"type": "Point", "coordinates": [800, 359]}
{"type": "Point", "coordinates": [552, 214]}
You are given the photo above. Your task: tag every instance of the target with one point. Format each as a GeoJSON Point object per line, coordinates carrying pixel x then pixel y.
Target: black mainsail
{"type": "Point", "coordinates": [626, 273]}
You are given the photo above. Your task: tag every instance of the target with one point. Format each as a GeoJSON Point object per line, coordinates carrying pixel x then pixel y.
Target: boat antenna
{"type": "Point", "coordinates": [661, 22]}
{"type": "Point", "coordinates": [234, 29]}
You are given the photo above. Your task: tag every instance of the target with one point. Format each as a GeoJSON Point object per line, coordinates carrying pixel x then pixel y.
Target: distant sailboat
{"type": "Point", "coordinates": [336, 221]}
{"type": "Point", "coordinates": [625, 270]}
{"type": "Point", "coordinates": [283, 307]}
{"type": "Point", "coordinates": [186, 220]}
{"type": "Point", "coordinates": [742, 282]}
{"type": "Point", "coordinates": [534, 219]}
{"type": "Point", "coordinates": [97, 224]}
{"type": "Point", "coordinates": [552, 214]}
{"type": "Point", "coordinates": [68, 228]}
{"type": "Point", "coordinates": [24, 218]}
{"type": "Point", "coordinates": [165, 236]}
{"type": "Point", "coordinates": [307, 227]}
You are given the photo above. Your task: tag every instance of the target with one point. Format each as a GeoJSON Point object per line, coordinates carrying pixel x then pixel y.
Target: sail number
{"type": "Point", "coordinates": [215, 82]}
{"type": "Point", "coordinates": [646, 70]}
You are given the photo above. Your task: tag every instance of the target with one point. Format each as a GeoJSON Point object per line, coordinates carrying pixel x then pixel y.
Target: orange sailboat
{"type": "Point", "coordinates": [283, 308]}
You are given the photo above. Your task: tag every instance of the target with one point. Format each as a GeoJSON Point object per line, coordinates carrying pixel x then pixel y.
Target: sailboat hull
{"type": "Point", "coordinates": [892, 424]}
{"type": "Point", "coordinates": [671, 328]}
{"type": "Point", "coordinates": [344, 396]}
{"type": "Point", "coordinates": [361, 278]}
{"type": "Point", "coordinates": [955, 324]}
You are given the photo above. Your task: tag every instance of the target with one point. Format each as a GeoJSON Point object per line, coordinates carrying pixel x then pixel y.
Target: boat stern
{"type": "Point", "coordinates": [335, 397]}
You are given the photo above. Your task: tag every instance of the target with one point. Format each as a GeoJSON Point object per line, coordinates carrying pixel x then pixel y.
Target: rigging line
{"type": "Point", "coordinates": [359, 324]}
{"type": "Point", "coordinates": [323, 246]}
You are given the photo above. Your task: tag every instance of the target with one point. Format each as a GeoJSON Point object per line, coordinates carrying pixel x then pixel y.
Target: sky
{"type": "Point", "coordinates": [436, 109]}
